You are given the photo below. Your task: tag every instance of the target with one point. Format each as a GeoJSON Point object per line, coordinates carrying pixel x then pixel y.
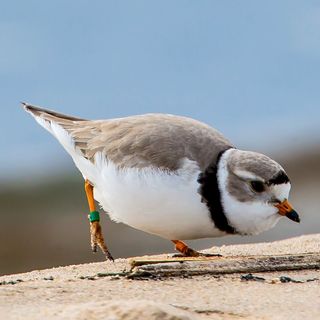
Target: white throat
{"type": "Point", "coordinates": [247, 218]}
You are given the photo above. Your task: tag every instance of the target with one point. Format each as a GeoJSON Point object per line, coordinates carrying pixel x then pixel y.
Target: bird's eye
{"type": "Point", "coordinates": [257, 186]}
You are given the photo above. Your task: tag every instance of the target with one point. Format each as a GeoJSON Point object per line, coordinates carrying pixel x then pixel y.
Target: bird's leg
{"type": "Point", "coordinates": [184, 249]}
{"type": "Point", "coordinates": [189, 252]}
{"type": "Point", "coordinates": [95, 227]}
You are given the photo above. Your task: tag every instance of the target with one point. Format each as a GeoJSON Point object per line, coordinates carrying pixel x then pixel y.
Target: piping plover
{"type": "Point", "coordinates": [171, 176]}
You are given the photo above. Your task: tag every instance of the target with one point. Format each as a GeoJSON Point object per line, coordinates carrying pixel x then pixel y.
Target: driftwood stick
{"type": "Point", "coordinates": [226, 265]}
{"type": "Point", "coordinates": [138, 262]}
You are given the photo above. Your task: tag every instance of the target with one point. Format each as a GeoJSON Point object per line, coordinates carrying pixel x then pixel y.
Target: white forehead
{"type": "Point", "coordinates": [281, 191]}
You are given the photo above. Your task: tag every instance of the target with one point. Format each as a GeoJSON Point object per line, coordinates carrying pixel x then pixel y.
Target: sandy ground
{"type": "Point", "coordinates": [75, 292]}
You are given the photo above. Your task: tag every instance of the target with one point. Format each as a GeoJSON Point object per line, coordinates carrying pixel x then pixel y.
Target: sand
{"type": "Point", "coordinates": [76, 292]}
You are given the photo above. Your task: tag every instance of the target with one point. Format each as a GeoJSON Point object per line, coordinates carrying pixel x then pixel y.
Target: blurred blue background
{"type": "Point", "coordinates": [249, 68]}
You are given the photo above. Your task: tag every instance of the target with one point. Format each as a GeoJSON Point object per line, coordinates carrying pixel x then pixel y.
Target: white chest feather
{"type": "Point", "coordinates": [163, 203]}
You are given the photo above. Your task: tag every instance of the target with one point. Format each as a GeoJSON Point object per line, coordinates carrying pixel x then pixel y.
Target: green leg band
{"type": "Point", "coordinates": [94, 216]}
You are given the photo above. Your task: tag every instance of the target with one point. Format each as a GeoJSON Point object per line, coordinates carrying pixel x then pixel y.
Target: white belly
{"type": "Point", "coordinates": [158, 202]}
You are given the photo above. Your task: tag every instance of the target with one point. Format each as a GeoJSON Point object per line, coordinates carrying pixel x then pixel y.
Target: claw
{"type": "Point", "coordinates": [98, 240]}
{"type": "Point", "coordinates": [94, 247]}
{"type": "Point", "coordinates": [109, 256]}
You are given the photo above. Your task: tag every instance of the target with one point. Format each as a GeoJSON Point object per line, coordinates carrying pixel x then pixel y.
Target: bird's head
{"type": "Point", "coordinates": [254, 191]}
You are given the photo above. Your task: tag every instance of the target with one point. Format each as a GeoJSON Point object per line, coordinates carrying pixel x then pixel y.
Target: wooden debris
{"type": "Point", "coordinates": [226, 265]}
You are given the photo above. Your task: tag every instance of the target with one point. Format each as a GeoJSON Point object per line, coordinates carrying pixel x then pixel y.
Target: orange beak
{"type": "Point", "coordinates": [285, 209]}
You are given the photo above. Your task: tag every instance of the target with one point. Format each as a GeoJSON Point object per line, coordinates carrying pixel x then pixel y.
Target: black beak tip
{"type": "Point", "coordinates": [293, 215]}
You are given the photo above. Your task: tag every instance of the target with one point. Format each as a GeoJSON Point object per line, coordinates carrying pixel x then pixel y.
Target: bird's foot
{"type": "Point", "coordinates": [185, 251]}
{"type": "Point", "coordinates": [97, 239]}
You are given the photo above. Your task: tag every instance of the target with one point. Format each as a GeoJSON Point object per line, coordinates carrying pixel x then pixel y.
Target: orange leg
{"type": "Point", "coordinates": [188, 252]}
{"type": "Point", "coordinates": [95, 227]}
{"type": "Point", "coordinates": [184, 249]}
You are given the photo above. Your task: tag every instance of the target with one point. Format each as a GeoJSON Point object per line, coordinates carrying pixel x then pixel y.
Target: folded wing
{"type": "Point", "coordinates": [157, 140]}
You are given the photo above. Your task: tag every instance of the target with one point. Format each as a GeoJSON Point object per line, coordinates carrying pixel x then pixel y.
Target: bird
{"type": "Point", "coordinates": [170, 176]}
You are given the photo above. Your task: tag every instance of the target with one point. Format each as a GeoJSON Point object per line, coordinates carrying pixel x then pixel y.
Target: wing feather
{"type": "Point", "coordinates": [157, 140]}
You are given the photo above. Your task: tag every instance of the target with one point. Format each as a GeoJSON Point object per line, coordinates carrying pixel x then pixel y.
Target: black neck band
{"type": "Point", "coordinates": [210, 193]}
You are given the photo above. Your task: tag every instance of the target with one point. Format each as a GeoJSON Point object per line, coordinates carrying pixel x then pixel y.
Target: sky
{"type": "Point", "coordinates": [249, 68]}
